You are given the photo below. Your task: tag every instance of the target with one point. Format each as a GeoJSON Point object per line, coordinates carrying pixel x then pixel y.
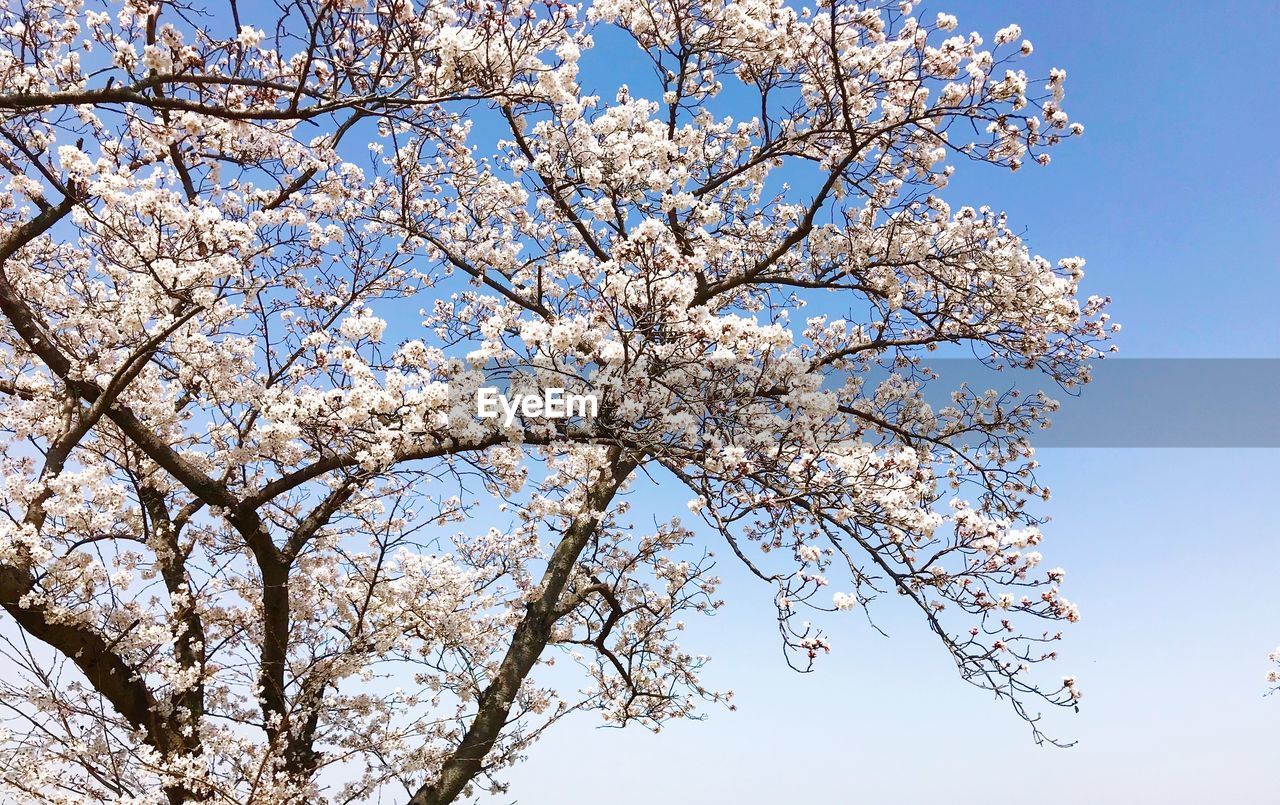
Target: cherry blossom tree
{"type": "Point", "coordinates": [260, 547]}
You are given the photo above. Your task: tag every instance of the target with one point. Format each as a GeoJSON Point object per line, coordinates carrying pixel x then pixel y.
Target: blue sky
{"type": "Point", "coordinates": [1171, 553]}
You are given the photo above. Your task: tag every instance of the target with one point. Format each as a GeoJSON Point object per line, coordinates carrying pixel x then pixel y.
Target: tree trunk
{"type": "Point", "coordinates": [527, 644]}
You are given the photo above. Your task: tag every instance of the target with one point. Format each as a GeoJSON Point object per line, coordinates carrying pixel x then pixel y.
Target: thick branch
{"type": "Point", "coordinates": [530, 638]}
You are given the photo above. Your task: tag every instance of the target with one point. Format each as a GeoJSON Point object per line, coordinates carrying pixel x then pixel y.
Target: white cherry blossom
{"type": "Point", "coordinates": [255, 265]}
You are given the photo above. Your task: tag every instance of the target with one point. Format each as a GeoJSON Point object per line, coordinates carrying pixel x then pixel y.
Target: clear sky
{"type": "Point", "coordinates": [1171, 553]}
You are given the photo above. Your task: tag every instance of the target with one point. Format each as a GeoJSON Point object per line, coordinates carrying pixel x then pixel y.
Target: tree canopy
{"type": "Point", "coordinates": [259, 546]}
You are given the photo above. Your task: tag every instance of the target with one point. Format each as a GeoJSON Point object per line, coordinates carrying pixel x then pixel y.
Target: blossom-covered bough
{"type": "Point", "coordinates": [259, 547]}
